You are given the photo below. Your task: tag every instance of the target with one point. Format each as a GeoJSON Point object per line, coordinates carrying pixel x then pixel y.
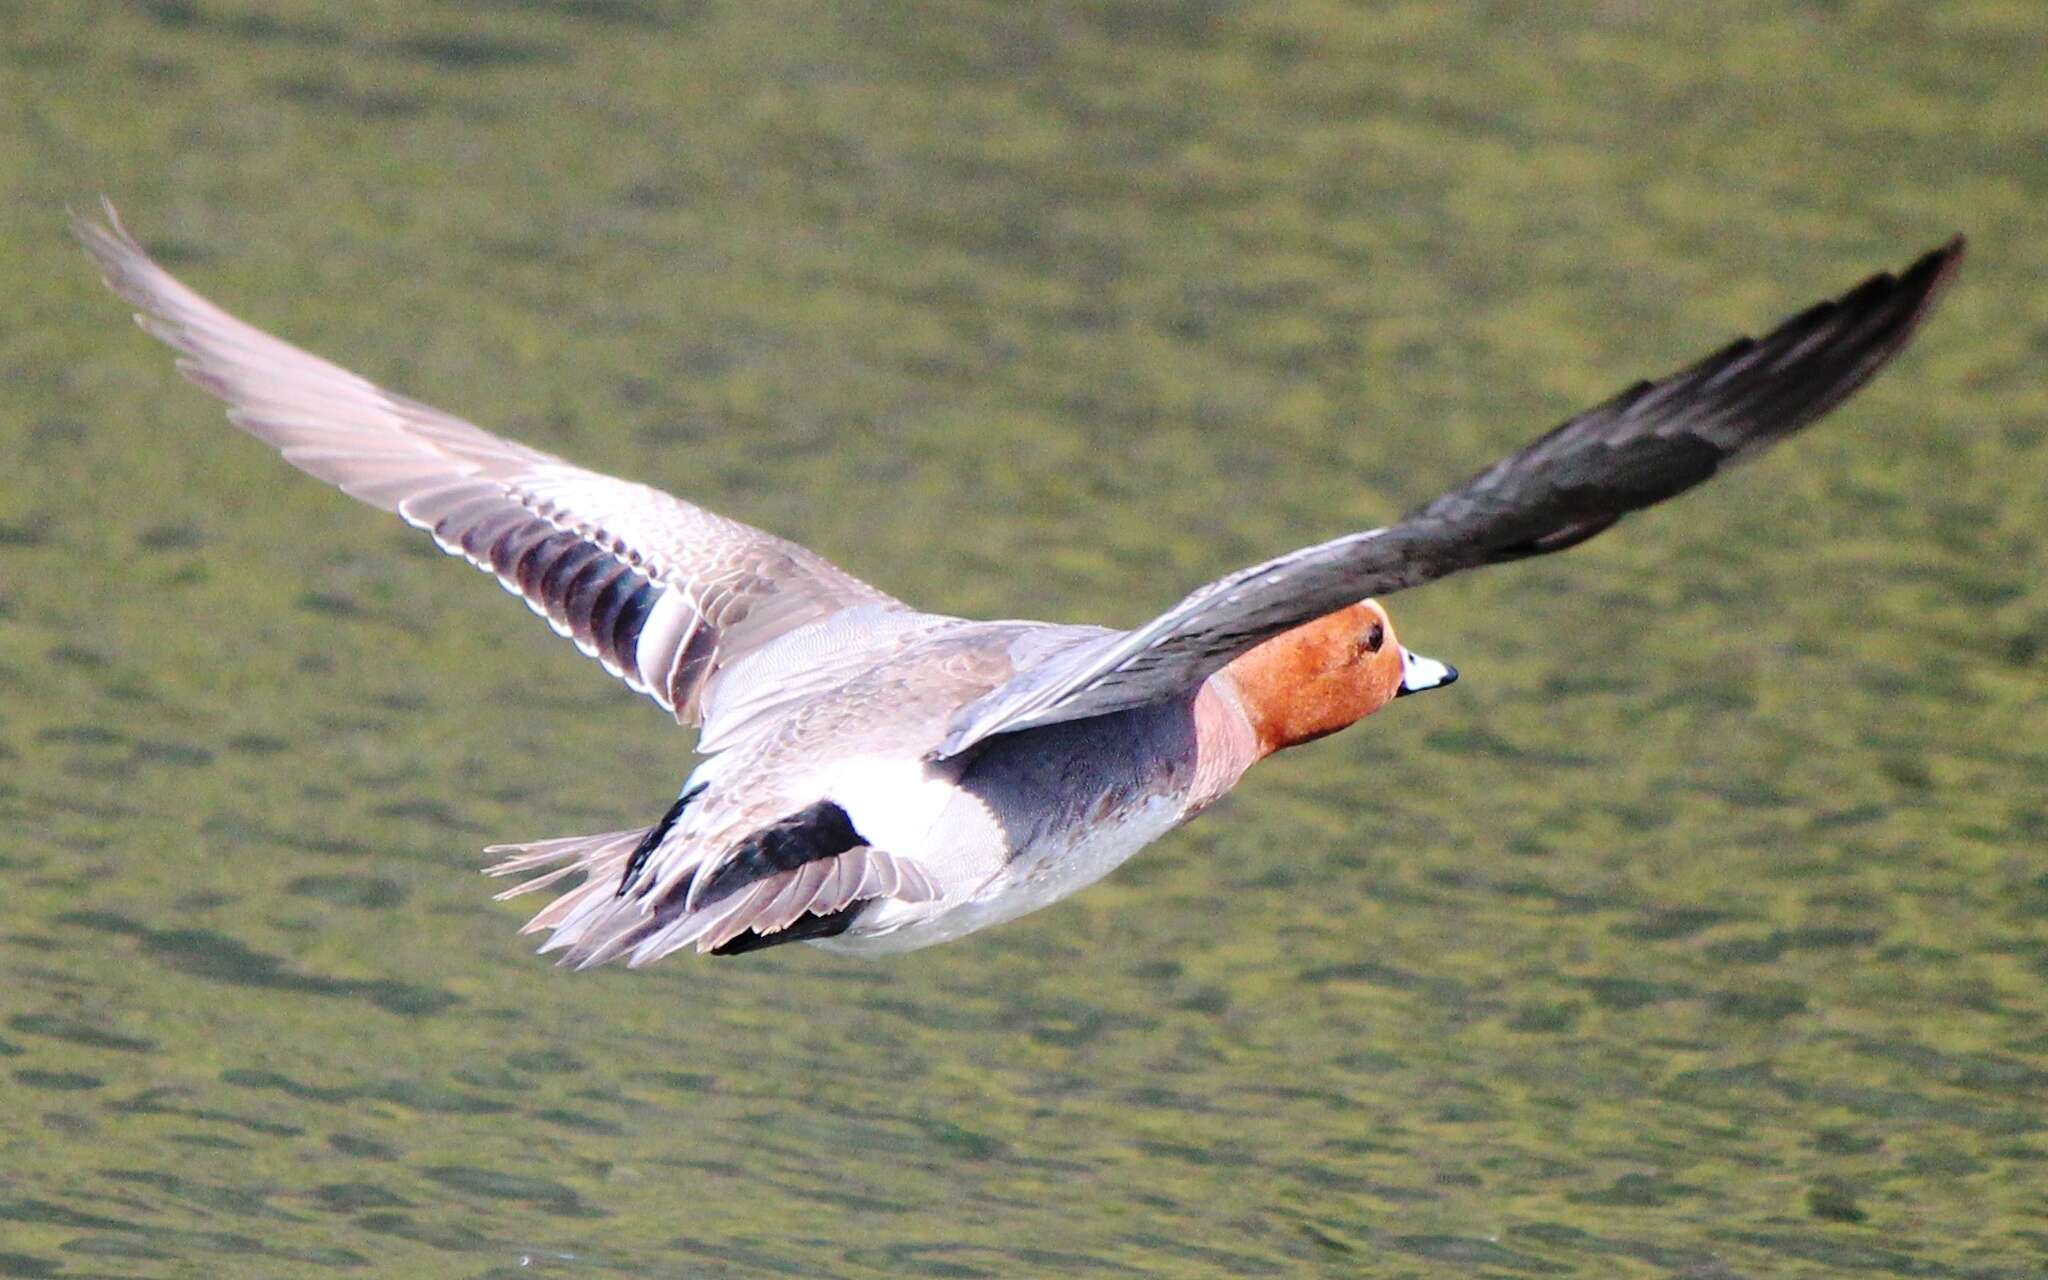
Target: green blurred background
{"type": "Point", "coordinates": [1700, 932]}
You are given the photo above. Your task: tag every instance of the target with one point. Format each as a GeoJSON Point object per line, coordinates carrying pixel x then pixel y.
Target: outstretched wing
{"type": "Point", "coordinates": [662, 592]}
{"type": "Point", "coordinates": [1651, 442]}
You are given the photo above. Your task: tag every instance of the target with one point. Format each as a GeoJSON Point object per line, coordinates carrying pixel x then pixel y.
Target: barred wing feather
{"type": "Point", "coordinates": [662, 592]}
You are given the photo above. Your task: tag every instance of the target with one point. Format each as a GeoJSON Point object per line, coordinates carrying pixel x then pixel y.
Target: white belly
{"type": "Point", "coordinates": [1039, 877]}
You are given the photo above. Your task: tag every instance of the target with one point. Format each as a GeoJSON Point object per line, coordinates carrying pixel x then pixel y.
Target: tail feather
{"type": "Point", "coordinates": [597, 857]}
{"type": "Point", "coordinates": [592, 924]}
{"type": "Point", "coordinates": [539, 853]}
{"type": "Point", "coordinates": [537, 882]}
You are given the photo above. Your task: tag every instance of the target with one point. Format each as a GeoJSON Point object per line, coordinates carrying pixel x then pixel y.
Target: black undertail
{"type": "Point", "coordinates": [821, 831]}
{"type": "Point", "coordinates": [807, 927]}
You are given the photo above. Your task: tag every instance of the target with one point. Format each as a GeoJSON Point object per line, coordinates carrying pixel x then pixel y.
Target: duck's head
{"type": "Point", "coordinates": [1327, 675]}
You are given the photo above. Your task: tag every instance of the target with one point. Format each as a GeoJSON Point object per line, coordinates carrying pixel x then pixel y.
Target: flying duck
{"type": "Point", "coordinates": [877, 778]}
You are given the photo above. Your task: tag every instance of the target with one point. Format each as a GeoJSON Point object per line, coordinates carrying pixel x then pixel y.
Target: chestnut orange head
{"type": "Point", "coordinates": [1327, 675]}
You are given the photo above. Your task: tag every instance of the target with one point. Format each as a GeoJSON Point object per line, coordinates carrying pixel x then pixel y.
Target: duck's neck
{"type": "Point", "coordinates": [1226, 743]}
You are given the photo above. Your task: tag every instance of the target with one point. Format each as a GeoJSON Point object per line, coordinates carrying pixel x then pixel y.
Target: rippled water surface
{"type": "Point", "coordinates": [1701, 931]}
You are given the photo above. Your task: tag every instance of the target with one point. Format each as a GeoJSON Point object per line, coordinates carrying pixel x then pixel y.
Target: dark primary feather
{"type": "Point", "coordinates": [1657, 439]}
{"type": "Point", "coordinates": [1653, 441]}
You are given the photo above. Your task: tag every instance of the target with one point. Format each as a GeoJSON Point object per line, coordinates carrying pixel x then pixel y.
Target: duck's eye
{"type": "Point", "coordinates": [1375, 636]}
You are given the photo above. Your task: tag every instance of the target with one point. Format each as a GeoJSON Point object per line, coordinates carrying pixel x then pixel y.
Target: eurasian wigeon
{"type": "Point", "coordinates": [879, 779]}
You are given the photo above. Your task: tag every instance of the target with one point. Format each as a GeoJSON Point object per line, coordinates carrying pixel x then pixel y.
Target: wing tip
{"type": "Point", "coordinates": [1892, 312]}
{"type": "Point", "coordinates": [105, 236]}
{"type": "Point", "coordinates": [85, 226]}
{"type": "Point", "coordinates": [1931, 274]}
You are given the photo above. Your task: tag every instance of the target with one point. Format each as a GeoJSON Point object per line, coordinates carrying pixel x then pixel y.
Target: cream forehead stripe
{"type": "Point", "coordinates": [1419, 673]}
